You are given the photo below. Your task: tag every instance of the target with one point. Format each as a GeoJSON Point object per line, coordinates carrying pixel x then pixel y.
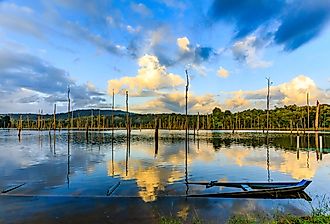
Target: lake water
{"type": "Point", "coordinates": [68, 181]}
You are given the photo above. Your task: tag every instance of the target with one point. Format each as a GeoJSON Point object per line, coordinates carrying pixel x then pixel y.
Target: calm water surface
{"type": "Point", "coordinates": [68, 178]}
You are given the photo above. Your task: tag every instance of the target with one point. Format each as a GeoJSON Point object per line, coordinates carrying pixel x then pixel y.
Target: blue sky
{"type": "Point", "coordinates": [228, 48]}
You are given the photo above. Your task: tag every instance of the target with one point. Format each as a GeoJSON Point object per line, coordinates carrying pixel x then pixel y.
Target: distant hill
{"type": "Point", "coordinates": [76, 113]}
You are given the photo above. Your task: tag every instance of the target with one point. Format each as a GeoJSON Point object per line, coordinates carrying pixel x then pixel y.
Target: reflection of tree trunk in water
{"type": "Point", "coordinates": [112, 154]}
{"type": "Point", "coordinates": [50, 141]}
{"type": "Point", "coordinates": [127, 153]}
{"type": "Point", "coordinates": [308, 150]}
{"type": "Point", "coordinates": [126, 161]}
{"type": "Point", "coordinates": [156, 136]}
{"type": "Point", "coordinates": [68, 168]}
{"type": "Point", "coordinates": [268, 164]}
{"type": "Point", "coordinates": [298, 147]}
{"type": "Point", "coordinates": [197, 142]}
{"type": "Point", "coordinates": [186, 162]}
{"type": "Point", "coordinates": [317, 145]}
{"type": "Point", "coordinates": [54, 137]}
{"type": "Point", "coordinates": [186, 137]}
{"type": "Point", "coordinates": [321, 147]}
{"type": "Point", "coordinates": [128, 132]}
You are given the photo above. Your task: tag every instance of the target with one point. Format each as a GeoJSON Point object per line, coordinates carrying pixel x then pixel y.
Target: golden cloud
{"type": "Point", "coordinates": [292, 92]}
{"type": "Point", "coordinates": [175, 102]}
{"type": "Point", "coordinates": [151, 76]}
{"type": "Point", "coordinates": [238, 101]}
{"type": "Point", "coordinates": [223, 73]}
{"type": "Point", "coordinates": [183, 44]}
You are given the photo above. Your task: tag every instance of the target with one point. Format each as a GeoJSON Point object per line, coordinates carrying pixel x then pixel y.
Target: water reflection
{"type": "Point", "coordinates": [150, 170]}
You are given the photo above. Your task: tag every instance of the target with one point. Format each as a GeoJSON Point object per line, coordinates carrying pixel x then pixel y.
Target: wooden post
{"type": "Point", "coordinates": [72, 126]}
{"type": "Point", "coordinates": [127, 123]}
{"type": "Point", "coordinates": [186, 138]}
{"type": "Point", "coordinates": [307, 111]}
{"type": "Point", "coordinates": [317, 115]}
{"type": "Point", "coordinates": [268, 98]}
{"type": "Point", "coordinates": [197, 122]}
{"type": "Point", "coordinates": [20, 126]}
{"type": "Point", "coordinates": [54, 121]}
{"type": "Point", "coordinates": [99, 121]}
{"type": "Point", "coordinates": [187, 86]}
{"type": "Point", "coordinates": [68, 107]}
{"type": "Point", "coordinates": [156, 135]}
{"type": "Point", "coordinates": [113, 111]}
{"type": "Point", "coordinates": [28, 122]}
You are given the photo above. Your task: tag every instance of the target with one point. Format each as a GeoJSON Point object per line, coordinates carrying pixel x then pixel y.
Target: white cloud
{"type": "Point", "coordinates": [246, 51]}
{"type": "Point", "coordinates": [131, 29]}
{"type": "Point", "coordinates": [141, 9]}
{"type": "Point", "coordinates": [200, 69]}
{"type": "Point", "coordinates": [19, 19]}
{"type": "Point", "coordinates": [157, 36]}
{"type": "Point", "coordinates": [294, 92]}
{"type": "Point", "coordinates": [151, 76]}
{"type": "Point", "coordinates": [183, 43]}
{"type": "Point", "coordinates": [222, 72]}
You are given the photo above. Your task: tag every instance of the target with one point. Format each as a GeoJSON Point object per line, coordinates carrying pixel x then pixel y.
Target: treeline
{"type": "Point", "coordinates": [290, 117]}
{"type": "Point", "coordinates": [287, 117]}
{"type": "Point", "coordinates": [5, 121]}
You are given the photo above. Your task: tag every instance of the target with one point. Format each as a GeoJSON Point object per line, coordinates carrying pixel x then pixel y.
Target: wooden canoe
{"type": "Point", "coordinates": [274, 190]}
{"type": "Point", "coordinates": [254, 185]}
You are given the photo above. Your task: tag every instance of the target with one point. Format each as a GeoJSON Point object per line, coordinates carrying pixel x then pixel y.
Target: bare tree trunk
{"type": "Point", "coordinates": [317, 115]}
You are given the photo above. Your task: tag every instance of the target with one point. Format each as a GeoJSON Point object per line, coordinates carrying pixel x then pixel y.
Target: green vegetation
{"type": "Point", "coordinates": [255, 219]}
{"type": "Point", "coordinates": [284, 219]}
{"type": "Point", "coordinates": [319, 215]}
{"type": "Point", "coordinates": [290, 117]}
{"type": "Point", "coordinates": [5, 121]}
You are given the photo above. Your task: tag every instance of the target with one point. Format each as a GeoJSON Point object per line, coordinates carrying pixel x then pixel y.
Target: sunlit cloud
{"type": "Point", "coordinates": [175, 102]}
{"type": "Point", "coordinates": [237, 102]}
{"type": "Point", "coordinates": [183, 43]}
{"type": "Point", "coordinates": [222, 72]}
{"type": "Point", "coordinates": [292, 92]}
{"type": "Point", "coordinates": [151, 76]}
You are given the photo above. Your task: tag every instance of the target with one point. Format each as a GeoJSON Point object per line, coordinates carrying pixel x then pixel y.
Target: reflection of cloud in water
{"type": "Point", "coordinates": [282, 161]}
{"type": "Point", "coordinates": [152, 177]}
{"type": "Point", "coordinates": [149, 178]}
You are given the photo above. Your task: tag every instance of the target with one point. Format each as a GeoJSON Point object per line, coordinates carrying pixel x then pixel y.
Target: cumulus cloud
{"type": "Point", "coordinates": [291, 92]}
{"type": "Point", "coordinates": [151, 76]}
{"type": "Point", "coordinates": [246, 51]}
{"type": "Point", "coordinates": [183, 43]}
{"type": "Point", "coordinates": [298, 21]}
{"type": "Point", "coordinates": [222, 72]}
{"type": "Point", "coordinates": [237, 102]}
{"type": "Point", "coordinates": [294, 91]}
{"type": "Point", "coordinates": [175, 102]}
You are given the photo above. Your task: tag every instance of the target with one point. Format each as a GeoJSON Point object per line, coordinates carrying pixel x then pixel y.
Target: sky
{"type": "Point", "coordinates": [98, 47]}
